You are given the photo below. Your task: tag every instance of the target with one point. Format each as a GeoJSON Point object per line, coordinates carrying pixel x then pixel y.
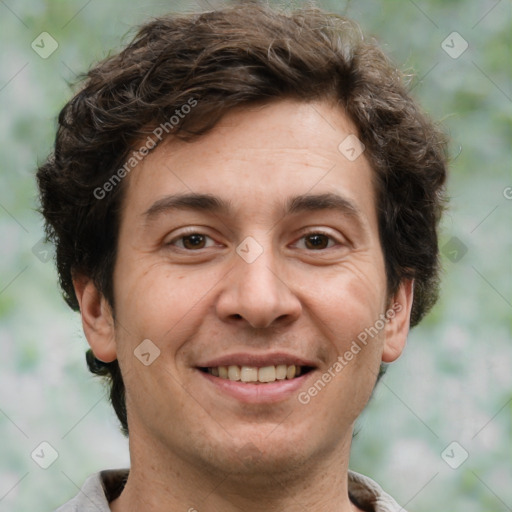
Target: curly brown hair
{"type": "Point", "coordinates": [223, 59]}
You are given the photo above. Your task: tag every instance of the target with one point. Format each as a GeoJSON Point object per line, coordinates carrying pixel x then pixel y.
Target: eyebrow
{"type": "Point", "coordinates": [217, 205]}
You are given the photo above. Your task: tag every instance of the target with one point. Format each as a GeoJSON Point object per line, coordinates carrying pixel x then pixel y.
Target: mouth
{"type": "Point", "coordinates": [257, 374]}
{"type": "Point", "coordinates": [256, 378]}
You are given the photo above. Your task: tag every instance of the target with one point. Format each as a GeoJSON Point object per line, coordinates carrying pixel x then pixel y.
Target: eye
{"type": "Point", "coordinates": [314, 241]}
{"type": "Point", "coordinates": [318, 240]}
{"type": "Point", "coordinates": [190, 241]}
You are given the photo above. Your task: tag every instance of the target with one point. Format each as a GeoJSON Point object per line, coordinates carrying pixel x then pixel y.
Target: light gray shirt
{"type": "Point", "coordinates": [101, 488]}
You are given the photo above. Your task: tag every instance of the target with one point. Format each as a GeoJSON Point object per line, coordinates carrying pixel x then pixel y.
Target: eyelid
{"type": "Point", "coordinates": [303, 233]}
{"type": "Point", "coordinates": [199, 230]}
{"type": "Point", "coordinates": [319, 231]}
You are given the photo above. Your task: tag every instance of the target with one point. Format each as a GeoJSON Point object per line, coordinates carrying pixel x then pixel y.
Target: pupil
{"type": "Point", "coordinates": [317, 240]}
{"type": "Point", "coordinates": [193, 240]}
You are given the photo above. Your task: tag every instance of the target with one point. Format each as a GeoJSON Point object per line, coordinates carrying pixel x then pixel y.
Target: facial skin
{"type": "Point", "coordinates": [192, 444]}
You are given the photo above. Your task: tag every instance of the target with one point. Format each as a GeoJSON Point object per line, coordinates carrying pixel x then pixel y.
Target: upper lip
{"type": "Point", "coordinates": [258, 360]}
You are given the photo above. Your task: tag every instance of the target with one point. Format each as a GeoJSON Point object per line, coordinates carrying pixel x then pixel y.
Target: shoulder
{"type": "Point", "coordinates": [97, 491]}
{"type": "Point", "coordinates": [369, 494]}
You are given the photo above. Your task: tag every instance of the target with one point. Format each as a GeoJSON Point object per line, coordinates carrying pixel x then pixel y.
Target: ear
{"type": "Point", "coordinates": [397, 329]}
{"type": "Point", "coordinates": [97, 319]}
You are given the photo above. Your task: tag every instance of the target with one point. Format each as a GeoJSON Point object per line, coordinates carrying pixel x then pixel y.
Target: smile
{"type": "Point", "coordinates": [254, 374]}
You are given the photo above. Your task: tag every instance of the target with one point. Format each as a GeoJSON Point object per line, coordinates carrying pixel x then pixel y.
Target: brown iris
{"type": "Point", "coordinates": [318, 241]}
{"type": "Point", "coordinates": [195, 241]}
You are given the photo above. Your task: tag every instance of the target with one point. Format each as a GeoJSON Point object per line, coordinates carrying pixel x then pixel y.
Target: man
{"type": "Point", "coordinates": [244, 205]}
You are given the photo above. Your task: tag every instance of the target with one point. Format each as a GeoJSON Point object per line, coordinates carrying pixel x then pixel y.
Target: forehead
{"type": "Point", "coordinates": [260, 155]}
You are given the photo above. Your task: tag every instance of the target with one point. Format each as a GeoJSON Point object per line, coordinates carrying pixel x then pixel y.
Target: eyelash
{"type": "Point", "coordinates": [196, 232]}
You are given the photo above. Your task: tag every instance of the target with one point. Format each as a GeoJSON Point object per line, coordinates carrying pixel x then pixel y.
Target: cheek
{"type": "Point", "coordinates": [147, 292]}
{"type": "Point", "coordinates": [354, 294]}
{"type": "Point", "coordinates": [348, 313]}
{"type": "Point", "coordinates": [162, 305]}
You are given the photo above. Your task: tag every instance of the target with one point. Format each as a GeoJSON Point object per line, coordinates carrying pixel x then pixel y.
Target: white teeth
{"type": "Point", "coordinates": [281, 371]}
{"type": "Point", "coordinates": [248, 374]}
{"type": "Point", "coordinates": [290, 372]}
{"type": "Point", "coordinates": [234, 372]}
{"type": "Point", "coordinates": [255, 374]}
{"type": "Point", "coordinates": [267, 374]}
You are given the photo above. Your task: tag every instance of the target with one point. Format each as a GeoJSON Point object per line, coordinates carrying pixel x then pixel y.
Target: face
{"type": "Point", "coordinates": [271, 260]}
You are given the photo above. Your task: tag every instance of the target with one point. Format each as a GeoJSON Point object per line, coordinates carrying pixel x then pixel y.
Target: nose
{"type": "Point", "coordinates": [258, 293]}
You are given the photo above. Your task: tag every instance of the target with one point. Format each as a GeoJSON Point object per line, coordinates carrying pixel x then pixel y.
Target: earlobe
{"type": "Point", "coordinates": [397, 329]}
{"type": "Point", "coordinates": [97, 319]}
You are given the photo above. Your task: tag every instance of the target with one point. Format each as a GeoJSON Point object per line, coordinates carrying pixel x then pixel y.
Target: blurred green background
{"type": "Point", "coordinates": [454, 381]}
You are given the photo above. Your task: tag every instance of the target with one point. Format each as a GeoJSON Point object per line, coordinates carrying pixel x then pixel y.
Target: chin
{"type": "Point", "coordinates": [264, 456]}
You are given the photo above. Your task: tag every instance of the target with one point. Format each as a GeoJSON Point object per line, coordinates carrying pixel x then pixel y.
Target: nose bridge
{"type": "Point", "coordinates": [254, 290]}
{"type": "Point", "coordinates": [258, 269]}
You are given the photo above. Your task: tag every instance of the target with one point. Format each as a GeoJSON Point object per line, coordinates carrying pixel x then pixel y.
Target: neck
{"type": "Point", "coordinates": [157, 483]}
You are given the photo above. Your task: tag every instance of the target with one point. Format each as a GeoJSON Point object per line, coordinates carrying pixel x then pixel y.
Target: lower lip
{"type": "Point", "coordinates": [269, 392]}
